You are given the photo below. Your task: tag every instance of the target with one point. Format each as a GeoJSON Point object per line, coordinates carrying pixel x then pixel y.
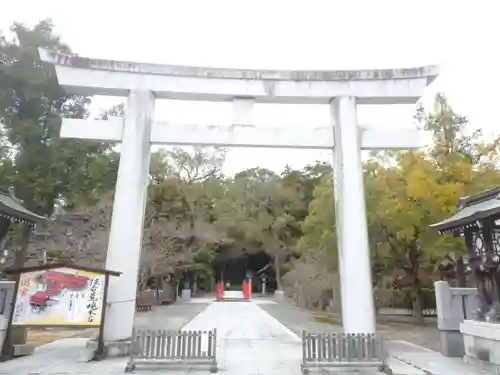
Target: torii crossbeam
{"type": "Point", "coordinates": [142, 83]}
{"type": "Point", "coordinates": [320, 138]}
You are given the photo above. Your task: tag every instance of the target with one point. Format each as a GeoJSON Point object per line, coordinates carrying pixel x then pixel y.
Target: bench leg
{"type": "Point", "coordinates": [213, 367]}
{"type": "Point", "coordinates": [130, 367]}
{"type": "Point", "coordinates": [304, 369]}
{"type": "Point", "coordinates": [385, 369]}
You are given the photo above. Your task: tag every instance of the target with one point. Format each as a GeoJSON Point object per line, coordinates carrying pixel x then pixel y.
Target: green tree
{"type": "Point", "coordinates": [319, 225]}
{"type": "Point", "coordinates": [256, 211]}
{"type": "Point", "coordinates": [315, 275]}
{"type": "Point", "coordinates": [180, 234]}
{"type": "Point", "coordinates": [45, 168]}
{"type": "Point", "coordinates": [304, 183]}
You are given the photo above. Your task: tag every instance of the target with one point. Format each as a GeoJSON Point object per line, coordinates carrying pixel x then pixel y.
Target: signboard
{"type": "Point", "coordinates": [59, 297]}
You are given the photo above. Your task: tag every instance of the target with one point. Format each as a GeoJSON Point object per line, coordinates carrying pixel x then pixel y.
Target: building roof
{"type": "Point", "coordinates": [472, 209]}
{"type": "Point", "coordinates": [12, 209]}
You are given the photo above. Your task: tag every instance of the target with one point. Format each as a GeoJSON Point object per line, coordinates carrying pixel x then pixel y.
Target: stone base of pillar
{"type": "Point", "coordinates": [279, 296]}
{"type": "Point", "coordinates": [482, 345]}
{"type": "Point", "coordinates": [21, 350]}
{"type": "Point", "coordinates": [186, 294]}
{"type": "Point", "coordinates": [19, 335]}
{"type": "Point", "coordinates": [452, 344]}
{"type": "Point", "coordinates": [112, 349]}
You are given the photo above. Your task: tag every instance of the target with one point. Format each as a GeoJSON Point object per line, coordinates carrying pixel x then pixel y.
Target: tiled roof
{"type": "Point", "coordinates": [472, 209]}
{"type": "Point", "coordinates": [11, 208]}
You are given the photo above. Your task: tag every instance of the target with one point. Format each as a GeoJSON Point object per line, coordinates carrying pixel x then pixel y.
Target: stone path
{"type": "Point", "coordinates": [250, 341]}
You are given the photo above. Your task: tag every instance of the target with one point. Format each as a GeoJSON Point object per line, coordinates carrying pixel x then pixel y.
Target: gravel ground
{"type": "Point", "coordinates": [297, 319]}
{"type": "Point", "coordinates": [172, 317]}
{"type": "Point", "coordinates": [421, 335]}
{"type": "Point", "coordinates": [40, 336]}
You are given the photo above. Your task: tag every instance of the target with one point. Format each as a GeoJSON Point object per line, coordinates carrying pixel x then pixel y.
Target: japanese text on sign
{"type": "Point", "coordinates": [92, 306]}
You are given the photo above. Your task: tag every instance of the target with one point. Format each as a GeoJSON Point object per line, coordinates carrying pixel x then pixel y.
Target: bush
{"type": "Point", "coordinates": [404, 299]}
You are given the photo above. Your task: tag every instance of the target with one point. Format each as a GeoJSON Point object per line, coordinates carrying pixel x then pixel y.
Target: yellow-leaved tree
{"type": "Point", "coordinates": [409, 191]}
{"type": "Point", "coordinates": [405, 193]}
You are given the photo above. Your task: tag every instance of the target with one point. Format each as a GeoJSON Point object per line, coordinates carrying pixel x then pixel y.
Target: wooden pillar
{"type": "Point", "coordinates": [16, 339]}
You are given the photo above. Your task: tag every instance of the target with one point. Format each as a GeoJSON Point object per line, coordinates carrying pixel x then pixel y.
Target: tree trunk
{"type": "Point", "coordinates": [460, 272]}
{"type": "Point", "coordinates": [277, 270]}
{"type": "Point", "coordinates": [418, 308]}
{"type": "Point", "coordinates": [142, 279]}
{"type": "Point", "coordinates": [376, 304]}
{"type": "Point", "coordinates": [169, 289]}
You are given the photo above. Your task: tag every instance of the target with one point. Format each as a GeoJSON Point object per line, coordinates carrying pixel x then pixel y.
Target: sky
{"type": "Point", "coordinates": [293, 34]}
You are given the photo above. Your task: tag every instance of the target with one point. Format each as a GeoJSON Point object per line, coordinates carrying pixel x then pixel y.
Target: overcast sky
{"type": "Point", "coordinates": [293, 34]}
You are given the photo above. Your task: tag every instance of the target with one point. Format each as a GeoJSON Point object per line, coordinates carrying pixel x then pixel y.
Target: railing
{"type": "Point", "coordinates": [454, 305]}
{"type": "Point", "coordinates": [402, 303]}
{"type": "Point", "coordinates": [402, 312]}
{"type": "Point", "coordinates": [150, 347]}
{"type": "Point", "coordinates": [323, 350]}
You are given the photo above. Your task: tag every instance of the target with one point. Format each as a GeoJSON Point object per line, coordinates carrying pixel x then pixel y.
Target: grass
{"type": "Point", "coordinates": [42, 336]}
{"type": "Point", "coordinates": [328, 320]}
{"type": "Point", "coordinates": [336, 320]}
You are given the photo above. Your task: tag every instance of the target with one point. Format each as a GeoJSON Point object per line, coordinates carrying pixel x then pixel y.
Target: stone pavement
{"type": "Point", "coordinates": [250, 341]}
{"type": "Point", "coordinates": [430, 361]}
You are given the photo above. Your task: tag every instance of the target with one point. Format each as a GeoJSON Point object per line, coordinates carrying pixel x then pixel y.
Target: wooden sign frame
{"type": "Point", "coordinates": [62, 285]}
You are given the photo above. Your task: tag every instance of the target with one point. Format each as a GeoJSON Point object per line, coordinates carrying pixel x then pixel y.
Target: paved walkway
{"type": "Point", "coordinates": [429, 360]}
{"type": "Point", "coordinates": [250, 341]}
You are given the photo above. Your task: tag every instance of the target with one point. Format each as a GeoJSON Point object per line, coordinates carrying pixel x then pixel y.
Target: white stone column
{"type": "Point", "coordinates": [358, 313]}
{"type": "Point", "coordinates": [125, 240]}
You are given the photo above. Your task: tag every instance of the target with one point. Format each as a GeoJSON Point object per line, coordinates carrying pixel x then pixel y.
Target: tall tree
{"type": "Point", "coordinates": [46, 168]}
{"type": "Point", "coordinates": [180, 231]}
{"type": "Point", "coordinates": [421, 188]}
{"type": "Point", "coordinates": [257, 209]}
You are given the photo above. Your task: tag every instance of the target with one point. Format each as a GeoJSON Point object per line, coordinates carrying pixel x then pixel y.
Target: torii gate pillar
{"type": "Point", "coordinates": [358, 314]}
{"type": "Point", "coordinates": [127, 222]}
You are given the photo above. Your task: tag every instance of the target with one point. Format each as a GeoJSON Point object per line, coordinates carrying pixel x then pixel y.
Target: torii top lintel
{"type": "Point", "coordinates": [107, 77]}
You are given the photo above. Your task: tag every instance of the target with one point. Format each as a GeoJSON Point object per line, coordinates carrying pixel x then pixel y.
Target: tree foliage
{"type": "Point", "coordinates": [42, 167]}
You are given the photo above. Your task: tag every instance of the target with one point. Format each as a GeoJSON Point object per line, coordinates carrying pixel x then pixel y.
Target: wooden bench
{"type": "Point", "coordinates": [166, 301]}
{"type": "Point", "coordinates": [351, 350]}
{"type": "Point", "coordinates": [141, 304]}
{"type": "Point", "coordinates": [177, 348]}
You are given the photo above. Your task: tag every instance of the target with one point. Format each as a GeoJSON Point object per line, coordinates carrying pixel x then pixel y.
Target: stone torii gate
{"type": "Point", "coordinates": [141, 83]}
